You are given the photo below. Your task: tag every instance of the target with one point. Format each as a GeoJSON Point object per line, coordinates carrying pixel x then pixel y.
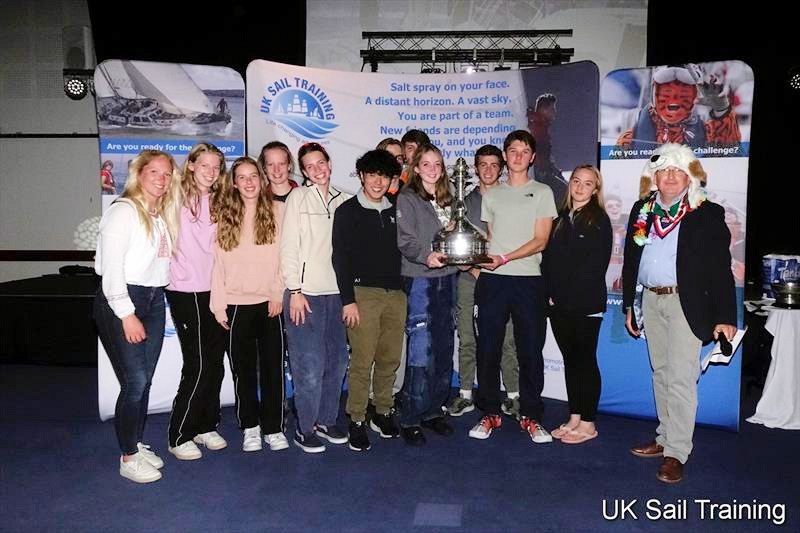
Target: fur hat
{"type": "Point", "coordinates": [678, 156]}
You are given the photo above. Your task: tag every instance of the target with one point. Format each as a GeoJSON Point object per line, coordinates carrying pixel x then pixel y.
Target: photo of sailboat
{"type": "Point", "coordinates": [164, 97]}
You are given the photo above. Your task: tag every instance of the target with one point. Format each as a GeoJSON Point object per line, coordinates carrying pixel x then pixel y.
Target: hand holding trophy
{"type": "Point", "coordinates": [460, 241]}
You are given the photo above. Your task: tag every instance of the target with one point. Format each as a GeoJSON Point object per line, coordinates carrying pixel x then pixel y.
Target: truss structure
{"type": "Point", "coordinates": [529, 48]}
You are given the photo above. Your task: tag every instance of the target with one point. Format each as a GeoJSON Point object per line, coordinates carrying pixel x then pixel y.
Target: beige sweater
{"type": "Point", "coordinates": [248, 274]}
{"type": "Point", "coordinates": [306, 245]}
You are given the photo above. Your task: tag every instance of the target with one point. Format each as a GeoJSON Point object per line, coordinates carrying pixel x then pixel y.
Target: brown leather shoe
{"type": "Point", "coordinates": [651, 449]}
{"type": "Point", "coordinates": [670, 471]}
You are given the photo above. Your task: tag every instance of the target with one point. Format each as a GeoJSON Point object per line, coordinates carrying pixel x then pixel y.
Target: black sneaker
{"type": "Point", "coordinates": [370, 410]}
{"type": "Point", "coordinates": [308, 442]}
{"type": "Point", "coordinates": [385, 425]}
{"type": "Point", "coordinates": [359, 441]}
{"type": "Point", "coordinates": [413, 435]}
{"type": "Point", "coordinates": [332, 434]}
{"type": "Point", "coordinates": [438, 426]}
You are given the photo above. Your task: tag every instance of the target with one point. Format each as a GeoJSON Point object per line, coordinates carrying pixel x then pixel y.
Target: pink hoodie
{"type": "Point", "coordinates": [190, 267]}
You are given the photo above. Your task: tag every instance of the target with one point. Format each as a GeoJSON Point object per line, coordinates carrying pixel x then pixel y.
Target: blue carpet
{"type": "Point", "coordinates": [58, 472]}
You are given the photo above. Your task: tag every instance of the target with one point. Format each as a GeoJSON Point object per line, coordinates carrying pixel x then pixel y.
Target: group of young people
{"type": "Point", "coordinates": [257, 266]}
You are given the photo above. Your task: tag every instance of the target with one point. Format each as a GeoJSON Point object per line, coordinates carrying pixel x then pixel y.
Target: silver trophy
{"type": "Point", "coordinates": [460, 241]}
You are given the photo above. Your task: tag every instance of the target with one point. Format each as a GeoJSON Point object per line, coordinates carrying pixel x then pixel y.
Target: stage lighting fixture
{"type": "Point", "coordinates": [78, 83]}
{"type": "Point", "coordinates": [794, 78]}
{"type": "Point", "coordinates": [75, 88]}
{"type": "Point", "coordinates": [470, 68]}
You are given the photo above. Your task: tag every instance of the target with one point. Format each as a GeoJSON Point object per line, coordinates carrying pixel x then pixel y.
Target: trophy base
{"type": "Point", "coordinates": [472, 260]}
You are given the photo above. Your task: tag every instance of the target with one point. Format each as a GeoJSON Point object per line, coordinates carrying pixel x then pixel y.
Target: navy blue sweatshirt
{"type": "Point", "coordinates": [365, 249]}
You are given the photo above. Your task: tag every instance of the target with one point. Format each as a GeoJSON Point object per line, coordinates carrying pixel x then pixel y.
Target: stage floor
{"type": "Point", "coordinates": [59, 473]}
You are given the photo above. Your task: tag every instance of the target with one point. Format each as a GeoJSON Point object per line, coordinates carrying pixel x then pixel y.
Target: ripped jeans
{"type": "Point", "coordinates": [430, 327]}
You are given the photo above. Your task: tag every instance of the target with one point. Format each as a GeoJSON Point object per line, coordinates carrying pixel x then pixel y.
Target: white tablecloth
{"type": "Point", "coordinates": [779, 406]}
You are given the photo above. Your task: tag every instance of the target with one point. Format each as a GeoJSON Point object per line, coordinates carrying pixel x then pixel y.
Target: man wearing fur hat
{"type": "Point", "coordinates": [677, 249]}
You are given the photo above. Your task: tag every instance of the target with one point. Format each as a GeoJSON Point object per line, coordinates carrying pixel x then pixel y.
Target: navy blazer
{"type": "Point", "coordinates": [705, 281]}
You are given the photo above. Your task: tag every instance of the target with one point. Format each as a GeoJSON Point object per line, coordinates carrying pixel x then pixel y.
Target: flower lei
{"type": "Point", "coordinates": [640, 236]}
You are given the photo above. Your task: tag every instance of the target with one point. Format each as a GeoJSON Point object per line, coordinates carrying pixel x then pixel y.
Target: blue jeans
{"type": "Point", "coordinates": [134, 364]}
{"type": "Point", "coordinates": [318, 359]}
{"type": "Point", "coordinates": [430, 326]}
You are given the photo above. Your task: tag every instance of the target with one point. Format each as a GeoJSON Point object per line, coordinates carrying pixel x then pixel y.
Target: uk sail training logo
{"type": "Point", "coordinates": [301, 106]}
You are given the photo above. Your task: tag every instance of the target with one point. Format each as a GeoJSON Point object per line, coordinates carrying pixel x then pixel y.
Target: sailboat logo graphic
{"type": "Point", "coordinates": [301, 112]}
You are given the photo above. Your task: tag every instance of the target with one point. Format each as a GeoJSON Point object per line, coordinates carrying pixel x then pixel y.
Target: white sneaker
{"type": "Point", "coordinates": [188, 451]}
{"type": "Point", "coordinates": [149, 455]}
{"type": "Point", "coordinates": [276, 441]}
{"type": "Point", "coordinates": [538, 434]}
{"type": "Point", "coordinates": [484, 428]}
{"type": "Point", "coordinates": [211, 440]}
{"type": "Point", "coordinates": [252, 439]}
{"type": "Point", "coordinates": [138, 469]}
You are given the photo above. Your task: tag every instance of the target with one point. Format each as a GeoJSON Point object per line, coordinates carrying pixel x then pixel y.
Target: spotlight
{"type": "Point", "coordinates": [75, 88]}
{"type": "Point", "coordinates": [78, 83]}
{"type": "Point", "coordinates": [471, 68]}
{"type": "Point", "coordinates": [794, 78]}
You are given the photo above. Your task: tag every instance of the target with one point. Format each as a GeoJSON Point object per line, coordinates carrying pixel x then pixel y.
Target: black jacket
{"type": "Point", "coordinates": [574, 264]}
{"type": "Point", "coordinates": [365, 249]}
{"type": "Point", "coordinates": [705, 281]}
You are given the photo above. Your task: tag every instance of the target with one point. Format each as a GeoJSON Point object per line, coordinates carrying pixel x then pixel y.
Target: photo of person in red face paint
{"type": "Point", "coordinates": [672, 115]}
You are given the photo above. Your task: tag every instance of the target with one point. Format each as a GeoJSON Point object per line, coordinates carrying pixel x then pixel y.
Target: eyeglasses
{"type": "Point", "coordinates": [670, 170]}
{"type": "Point", "coordinates": [690, 74]}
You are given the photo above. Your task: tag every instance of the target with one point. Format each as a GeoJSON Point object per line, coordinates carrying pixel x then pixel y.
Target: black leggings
{"type": "Point", "coordinates": [577, 336]}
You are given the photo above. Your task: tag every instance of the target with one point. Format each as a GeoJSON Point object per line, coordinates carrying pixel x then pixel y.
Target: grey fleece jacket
{"type": "Point", "coordinates": [417, 224]}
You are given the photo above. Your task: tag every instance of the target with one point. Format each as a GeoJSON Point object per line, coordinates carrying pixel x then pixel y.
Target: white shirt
{"type": "Point", "coordinates": [126, 254]}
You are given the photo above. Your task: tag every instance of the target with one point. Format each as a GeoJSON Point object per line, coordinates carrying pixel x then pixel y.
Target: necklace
{"type": "Point", "coordinates": [664, 221]}
{"type": "Point", "coordinates": [153, 212]}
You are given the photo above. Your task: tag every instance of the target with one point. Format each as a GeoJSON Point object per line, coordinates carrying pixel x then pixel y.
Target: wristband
{"type": "Point", "coordinates": [295, 291]}
{"type": "Point", "coordinates": [505, 259]}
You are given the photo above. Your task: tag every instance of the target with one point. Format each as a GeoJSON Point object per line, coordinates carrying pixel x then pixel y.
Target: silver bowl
{"type": "Point", "coordinates": [787, 294]}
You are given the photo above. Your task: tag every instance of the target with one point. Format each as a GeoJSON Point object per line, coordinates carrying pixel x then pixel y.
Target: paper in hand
{"type": "Point", "coordinates": [716, 354]}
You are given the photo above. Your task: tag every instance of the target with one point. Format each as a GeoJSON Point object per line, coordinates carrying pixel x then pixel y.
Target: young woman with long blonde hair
{"type": "Point", "coordinates": [137, 233]}
{"type": "Point", "coordinates": [576, 293]}
{"type": "Point", "coordinates": [195, 410]}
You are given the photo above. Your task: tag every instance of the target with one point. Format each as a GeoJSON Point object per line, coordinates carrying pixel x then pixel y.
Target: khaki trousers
{"type": "Point", "coordinates": [378, 341]}
{"type": "Point", "coordinates": [675, 358]}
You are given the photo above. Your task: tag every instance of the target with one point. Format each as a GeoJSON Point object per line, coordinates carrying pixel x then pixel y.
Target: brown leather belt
{"type": "Point", "coordinates": [663, 290]}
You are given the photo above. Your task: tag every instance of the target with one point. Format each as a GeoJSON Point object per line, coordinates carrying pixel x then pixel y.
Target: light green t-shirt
{"type": "Point", "coordinates": [511, 213]}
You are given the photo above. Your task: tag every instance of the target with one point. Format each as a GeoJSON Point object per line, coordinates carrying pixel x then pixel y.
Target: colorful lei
{"type": "Point", "coordinates": [640, 236]}
{"type": "Point", "coordinates": [665, 222]}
